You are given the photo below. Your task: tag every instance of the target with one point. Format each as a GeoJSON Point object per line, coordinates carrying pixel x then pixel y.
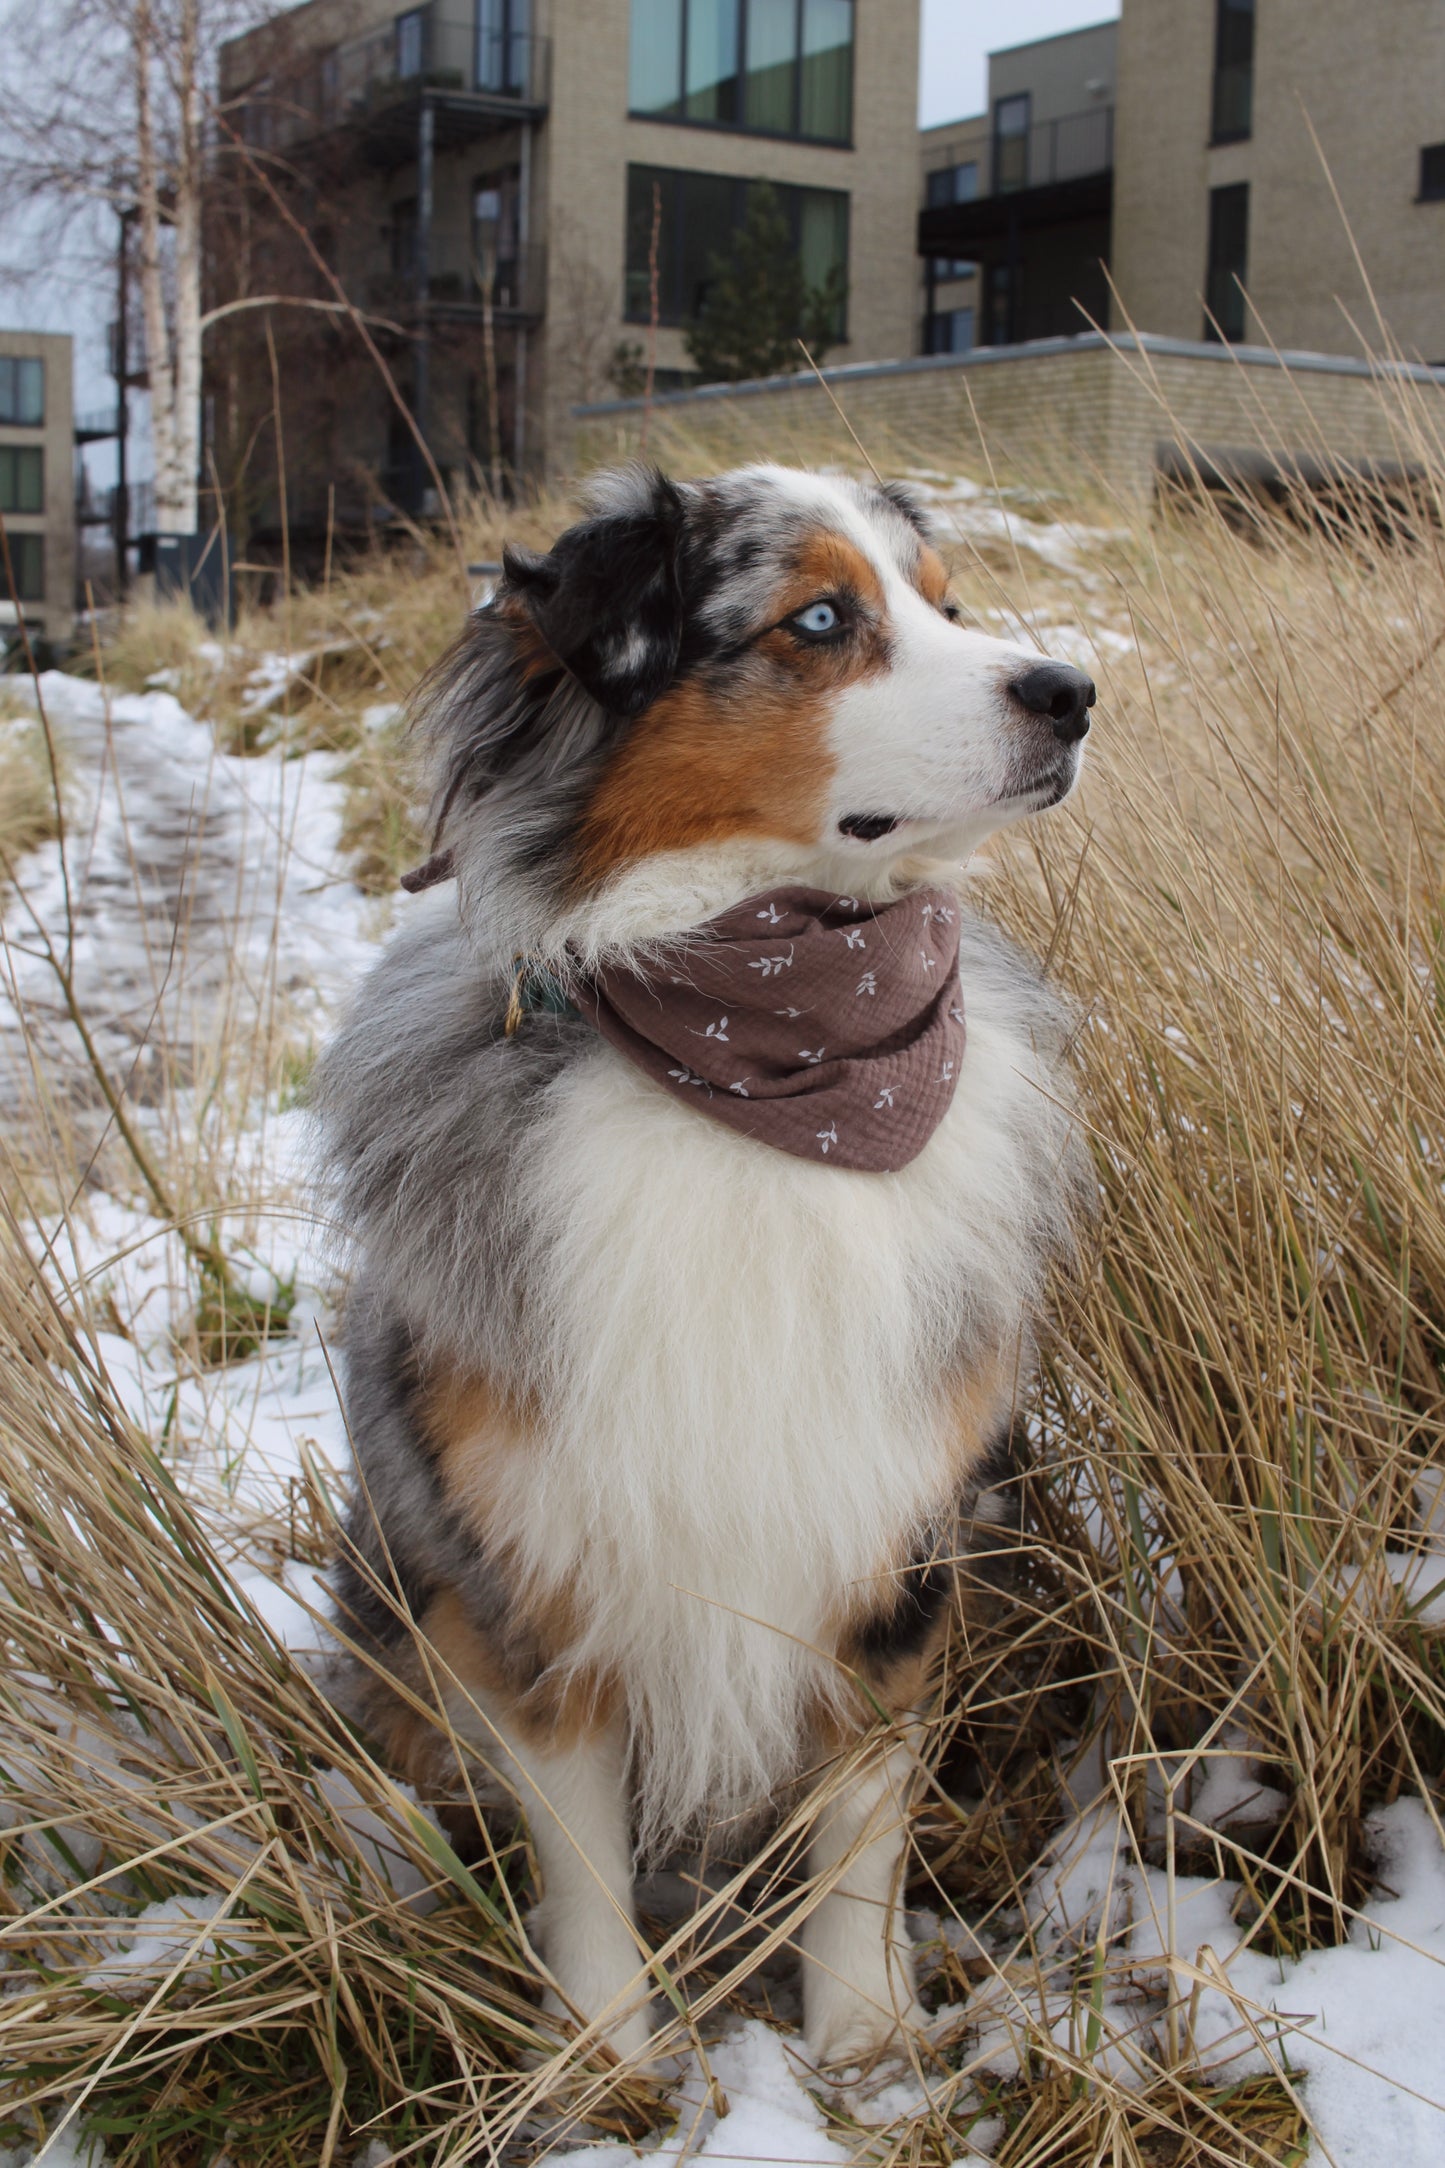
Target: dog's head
{"type": "Point", "coordinates": [707, 685]}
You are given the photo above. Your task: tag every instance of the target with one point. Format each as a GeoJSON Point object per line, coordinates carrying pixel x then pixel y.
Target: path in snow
{"type": "Point", "coordinates": [203, 889]}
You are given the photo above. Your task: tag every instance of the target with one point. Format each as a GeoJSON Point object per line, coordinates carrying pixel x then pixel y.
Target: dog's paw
{"type": "Point", "coordinates": [845, 2030]}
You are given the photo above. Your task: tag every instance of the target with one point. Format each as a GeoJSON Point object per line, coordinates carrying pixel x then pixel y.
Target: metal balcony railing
{"type": "Point", "coordinates": [459, 276]}
{"type": "Point", "coordinates": [425, 49]}
{"type": "Point", "coordinates": [422, 49]}
{"type": "Point", "coordinates": [1067, 149]}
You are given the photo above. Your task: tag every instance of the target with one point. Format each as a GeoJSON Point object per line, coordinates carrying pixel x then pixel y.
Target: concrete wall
{"type": "Point", "coordinates": [1369, 80]}
{"type": "Point", "coordinates": [54, 617]}
{"type": "Point", "coordinates": [1058, 72]}
{"type": "Point", "coordinates": [1064, 411]}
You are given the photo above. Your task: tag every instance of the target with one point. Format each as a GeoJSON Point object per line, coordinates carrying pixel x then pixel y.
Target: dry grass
{"type": "Point", "coordinates": [27, 797]}
{"type": "Point", "coordinates": [1240, 1415]}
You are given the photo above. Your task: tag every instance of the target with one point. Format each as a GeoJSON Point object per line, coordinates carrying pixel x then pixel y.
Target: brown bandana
{"type": "Point", "coordinates": [825, 1026]}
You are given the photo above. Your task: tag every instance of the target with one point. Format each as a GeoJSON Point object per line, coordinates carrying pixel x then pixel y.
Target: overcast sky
{"type": "Point", "coordinates": [958, 36]}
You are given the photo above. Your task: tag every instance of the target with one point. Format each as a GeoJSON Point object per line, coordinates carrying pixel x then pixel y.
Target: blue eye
{"type": "Point", "coordinates": [818, 618]}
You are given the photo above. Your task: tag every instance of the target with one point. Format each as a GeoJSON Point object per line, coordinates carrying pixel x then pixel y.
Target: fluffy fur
{"type": "Point", "coordinates": [659, 1430]}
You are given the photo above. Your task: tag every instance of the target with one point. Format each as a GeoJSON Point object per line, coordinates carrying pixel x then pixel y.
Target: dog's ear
{"type": "Point", "coordinates": [904, 498]}
{"type": "Point", "coordinates": [607, 597]}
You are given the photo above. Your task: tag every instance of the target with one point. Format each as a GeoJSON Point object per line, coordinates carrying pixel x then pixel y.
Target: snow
{"type": "Point", "coordinates": [770, 2117]}
{"type": "Point", "coordinates": [167, 1935]}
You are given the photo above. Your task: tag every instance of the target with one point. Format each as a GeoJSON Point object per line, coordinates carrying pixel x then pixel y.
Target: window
{"type": "Point", "coordinates": [22, 391]}
{"type": "Point", "coordinates": [22, 478]}
{"type": "Point", "coordinates": [410, 44]}
{"type": "Point", "coordinates": [953, 184]}
{"type": "Point", "coordinates": [503, 45]}
{"type": "Point", "coordinates": [495, 235]}
{"type": "Point", "coordinates": [1001, 295]}
{"type": "Point", "coordinates": [1432, 173]}
{"type": "Point", "coordinates": [699, 214]}
{"type": "Point", "coordinates": [402, 239]}
{"type": "Point", "coordinates": [1011, 143]}
{"type": "Point", "coordinates": [1232, 116]}
{"type": "Point", "coordinates": [949, 331]}
{"type": "Point", "coordinates": [1228, 259]}
{"type": "Point", "coordinates": [773, 67]}
{"type": "Point", "coordinates": [27, 558]}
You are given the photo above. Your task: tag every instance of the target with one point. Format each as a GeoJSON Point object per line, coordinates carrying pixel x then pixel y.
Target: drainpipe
{"type": "Point", "coordinates": [421, 394]}
{"type": "Point", "coordinates": [524, 231]}
{"type": "Point", "coordinates": [121, 520]}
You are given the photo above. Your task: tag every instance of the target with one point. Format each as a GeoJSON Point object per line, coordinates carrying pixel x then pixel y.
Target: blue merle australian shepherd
{"type": "Point", "coordinates": [705, 1157]}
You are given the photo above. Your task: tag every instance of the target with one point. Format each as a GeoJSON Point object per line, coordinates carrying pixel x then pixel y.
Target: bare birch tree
{"type": "Point", "coordinates": [105, 102]}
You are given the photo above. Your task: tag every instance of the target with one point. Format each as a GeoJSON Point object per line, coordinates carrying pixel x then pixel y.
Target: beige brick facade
{"type": "Point", "coordinates": [1367, 80]}
{"type": "Point", "coordinates": [1062, 413]}
{"type": "Point", "coordinates": [53, 616]}
{"type": "Point", "coordinates": [579, 154]}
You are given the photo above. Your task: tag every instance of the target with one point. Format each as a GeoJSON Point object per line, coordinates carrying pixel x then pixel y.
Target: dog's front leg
{"type": "Point", "coordinates": [576, 1804]}
{"type": "Point", "coordinates": [858, 1982]}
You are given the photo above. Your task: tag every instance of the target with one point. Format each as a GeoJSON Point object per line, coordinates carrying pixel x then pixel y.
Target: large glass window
{"type": "Point", "coordinates": [22, 478]}
{"type": "Point", "coordinates": [22, 390]}
{"type": "Point", "coordinates": [654, 82]}
{"type": "Point", "coordinates": [777, 67]}
{"type": "Point", "coordinates": [772, 65]}
{"type": "Point", "coordinates": [1233, 109]}
{"type": "Point", "coordinates": [1228, 262]}
{"type": "Point", "coordinates": [699, 213]}
{"type": "Point", "coordinates": [710, 81]}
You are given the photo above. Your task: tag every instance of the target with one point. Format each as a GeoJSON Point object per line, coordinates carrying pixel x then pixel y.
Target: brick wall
{"type": "Point", "coordinates": [1072, 411]}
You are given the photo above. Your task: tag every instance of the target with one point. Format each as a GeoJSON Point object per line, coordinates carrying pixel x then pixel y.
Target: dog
{"type": "Point", "coordinates": [670, 1390]}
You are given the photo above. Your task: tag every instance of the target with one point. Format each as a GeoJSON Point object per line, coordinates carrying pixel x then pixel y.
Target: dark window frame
{"type": "Point", "coordinates": [33, 456]}
{"type": "Point", "coordinates": [27, 548]}
{"type": "Point", "coordinates": [673, 312]}
{"type": "Point", "coordinates": [1226, 282]}
{"type": "Point", "coordinates": [997, 137]}
{"type": "Point", "coordinates": [11, 365]}
{"type": "Point", "coordinates": [740, 126]}
{"type": "Point", "coordinates": [1431, 190]}
{"type": "Point", "coordinates": [934, 196]}
{"type": "Point", "coordinates": [1232, 76]}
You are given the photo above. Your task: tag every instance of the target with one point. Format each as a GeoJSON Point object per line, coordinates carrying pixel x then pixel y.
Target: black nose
{"type": "Point", "coordinates": [1063, 694]}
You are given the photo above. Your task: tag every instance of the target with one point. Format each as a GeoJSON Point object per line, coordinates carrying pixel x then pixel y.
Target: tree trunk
{"type": "Point", "coordinates": [173, 358]}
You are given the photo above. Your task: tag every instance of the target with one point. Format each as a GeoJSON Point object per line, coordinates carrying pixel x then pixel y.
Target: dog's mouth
{"type": "Point", "coordinates": [869, 827]}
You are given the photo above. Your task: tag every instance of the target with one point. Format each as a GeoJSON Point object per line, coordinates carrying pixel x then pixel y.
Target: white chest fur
{"type": "Point", "coordinates": [744, 1354]}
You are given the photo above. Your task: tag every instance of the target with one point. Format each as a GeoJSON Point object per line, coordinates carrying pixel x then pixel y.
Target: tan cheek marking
{"type": "Point", "coordinates": [748, 755]}
{"type": "Point", "coordinates": [930, 577]}
{"type": "Point", "coordinates": [701, 767]}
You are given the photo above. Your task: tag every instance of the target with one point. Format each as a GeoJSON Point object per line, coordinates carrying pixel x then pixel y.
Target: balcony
{"type": "Point", "coordinates": [371, 88]}
{"type": "Point", "coordinates": [1049, 174]}
{"type": "Point", "coordinates": [457, 283]}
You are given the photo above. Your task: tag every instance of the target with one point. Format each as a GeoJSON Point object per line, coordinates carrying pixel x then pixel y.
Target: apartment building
{"type": "Point", "coordinates": [1193, 152]}
{"type": "Point", "coordinates": [1237, 123]}
{"type": "Point", "coordinates": [37, 487]}
{"type": "Point", "coordinates": [526, 195]}
{"type": "Point", "coordinates": [1022, 195]}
